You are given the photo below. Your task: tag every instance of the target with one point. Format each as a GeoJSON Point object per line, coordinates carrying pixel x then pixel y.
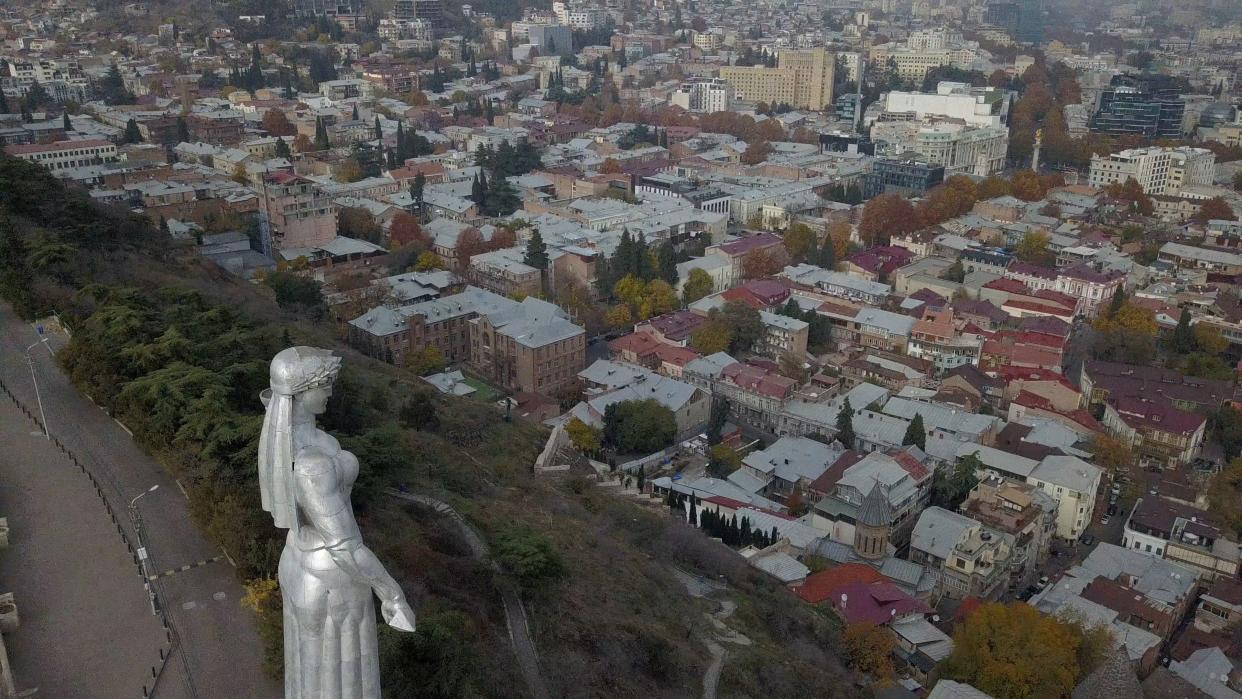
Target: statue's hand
{"type": "Point", "coordinates": [397, 614]}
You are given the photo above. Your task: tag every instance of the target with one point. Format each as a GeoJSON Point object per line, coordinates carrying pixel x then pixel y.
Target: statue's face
{"type": "Point", "coordinates": [315, 400]}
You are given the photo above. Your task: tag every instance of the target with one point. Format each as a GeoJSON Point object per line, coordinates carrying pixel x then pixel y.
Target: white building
{"type": "Point", "coordinates": [706, 95]}
{"type": "Point", "coordinates": [1157, 170]}
{"type": "Point", "coordinates": [976, 106]}
{"type": "Point", "coordinates": [1074, 483]}
{"type": "Point", "coordinates": [63, 155]}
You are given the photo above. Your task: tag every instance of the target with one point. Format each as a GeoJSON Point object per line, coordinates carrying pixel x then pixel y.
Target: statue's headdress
{"type": "Point", "coordinates": [293, 371]}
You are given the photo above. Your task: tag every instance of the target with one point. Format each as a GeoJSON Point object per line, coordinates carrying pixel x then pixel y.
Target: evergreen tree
{"type": "Point", "coordinates": [417, 188]}
{"type": "Point", "coordinates": [289, 93]}
{"type": "Point", "coordinates": [4, 103]}
{"type": "Point", "coordinates": [667, 259]}
{"type": "Point", "coordinates": [489, 112]}
{"type": "Point", "coordinates": [183, 130]}
{"type": "Point", "coordinates": [27, 117]}
{"type": "Point", "coordinates": [472, 69]}
{"type": "Point", "coordinates": [390, 159]}
{"type": "Point", "coordinates": [845, 425]}
{"type": "Point", "coordinates": [1119, 300]}
{"type": "Point", "coordinates": [132, 134]}
{"type": "Point", "coordinates": [36, 96]}
{"type": "Point", "coordinates": [916, 434]}
{"type": "Point", "coordinates": [353, 115]}
{"type": "Point", "coordinates": [65, 123]}
{"type": "Point", "coordinates": [254, 77]}
{"type": "Point", "coordinates": [827, 254]}
{"type": "Point", "coordinates": [476, 190]}
{"type": "Point", "coordinates": [536, 251]}
{"type": "Point", "coordinates": [321, 135]}
{"type": "Point", "coordinates": [1183, 339]}
{"type": "Point", "coordinates": [379, 133]}
{"type": "Point", "coordinates": [401, 152]}
{"type": "Point", "coordinates": [282, 148]}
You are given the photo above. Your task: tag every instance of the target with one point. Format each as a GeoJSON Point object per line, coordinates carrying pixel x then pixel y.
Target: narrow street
{"type": "Point", "coordinates": [216, 650]}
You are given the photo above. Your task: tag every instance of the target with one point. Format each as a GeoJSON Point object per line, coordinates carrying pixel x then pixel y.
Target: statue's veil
{"type": "Point", "coordinates": [293, 371]}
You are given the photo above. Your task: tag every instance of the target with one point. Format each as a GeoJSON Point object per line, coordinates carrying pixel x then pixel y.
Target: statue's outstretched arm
{"type": "Point", "coordinates": [325, 506]}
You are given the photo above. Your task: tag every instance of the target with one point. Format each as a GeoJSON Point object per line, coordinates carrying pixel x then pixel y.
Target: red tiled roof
{"type": "Point", "coordinates": [1012, 286]}
{"type": "Point", "coordinates": [917, 470]}
{"type": "Point", "coordinates": [822, 585]}
{"type": "Point", "coordinates": [750, 243]}
{"type": "Point", "coordinates": [1030, 270]}
{"type": "Point", "coordinates": [758, 380]}
{"type": "Point", "coordinates": [744, 295]}
{"type": "Point", "coordinates": [675, 326]}
{"type": "Point", "coordinates": [827, 481]}
{"type": "Point", "coordinates": [1040, 308]}
{"type": "Point", "coordinates": [678, 356]}
{"type": "Point", "coordinates": [639, 343]}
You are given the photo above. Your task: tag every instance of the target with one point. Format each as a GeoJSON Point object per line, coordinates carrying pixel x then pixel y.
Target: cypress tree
{"type": "Point", "coordinates": [65, 123]}
{"type": "Point", "coordinates": [379, 133]}
{"type": "Point", "coordinates": [183, 130]}
{"type": "Point", "coordinates": [916, 434]}
{"type": "Point", "coordinates": [1183, 340]}
{"type": "Point", "coordinates": [536, 251]}
{"type": "Point", "coordinates": [828, 254]}
{"type": "Point", "coordinates": [1119, 300]}
{"type": "Point", "coordinates": [132, 134]}
{"type": "Point", "coordinates": [282, 148]}
{"type": "Point", "coordinates": [845, 425]}
{"type": "Point", "coordinates": [4, 103]}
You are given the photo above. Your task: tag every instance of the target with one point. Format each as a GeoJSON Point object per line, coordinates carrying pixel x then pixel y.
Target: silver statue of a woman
{"type": "Point", "coordinates": [327, 575]}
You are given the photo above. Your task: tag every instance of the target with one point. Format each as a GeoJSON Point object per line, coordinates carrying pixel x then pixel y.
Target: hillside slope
{"type": "Point", "coordinates": [178, 350]}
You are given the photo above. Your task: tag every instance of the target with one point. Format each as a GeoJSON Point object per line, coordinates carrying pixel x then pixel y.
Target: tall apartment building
{"type": "Point", "coordinates": [705, 95]}
{"type": "Point", "coordinates": [431, 11]}
{"type": "Point", "coordinates": [1157, 170]}
{"type": "Point", "coordinates": [298, 213]}
{"type": "Point", "coordinates": [802, 79]}
{"type": "Point", "coordinates": [1140, 105]}
{"type": "Point", "coordinates": [1023, 19]}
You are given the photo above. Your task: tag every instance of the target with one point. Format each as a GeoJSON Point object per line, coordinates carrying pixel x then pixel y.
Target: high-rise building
{"type": "Point", "coordinates": [704, 95]}
{"type": "Point", "coordinates": [1156, 170]}
{"type": "Point", "coordinates": [1147, 106]}
{"type": "Point", "coordinates": [431, 11]}
{"type": "Point", "coordinates": [1023, 19]}
{"type": "Point", "coordinates": [325, 8]}
{"type": "Point", "coordinates": [802, 79]}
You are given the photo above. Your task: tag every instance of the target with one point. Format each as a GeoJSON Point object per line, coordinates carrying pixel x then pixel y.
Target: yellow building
{"type": "Point", "coordinates": [802, 79]}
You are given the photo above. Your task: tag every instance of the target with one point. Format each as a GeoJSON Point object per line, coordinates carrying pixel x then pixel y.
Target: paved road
{"type": "Point", "coordinates": [218, 653]}
{"type": "Point", "coordinates": [515, 611]}
{"type": "Point", "coordinates": [105, 639]}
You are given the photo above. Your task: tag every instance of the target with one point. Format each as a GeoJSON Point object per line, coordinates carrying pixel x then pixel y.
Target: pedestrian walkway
{"type": "Point", "coordinates": [86, 624]}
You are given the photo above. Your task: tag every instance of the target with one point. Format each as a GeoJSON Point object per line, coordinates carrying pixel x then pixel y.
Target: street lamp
{"type": "Point", "coordinates": [152, 489]}
{"type": "Point", "coordinates": [35, 381]}
{"type": "Point", "coordinates": [142, 549]}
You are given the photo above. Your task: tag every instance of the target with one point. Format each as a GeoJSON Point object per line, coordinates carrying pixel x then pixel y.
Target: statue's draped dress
{"type": "Point", "coordinates": [329, 618]}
